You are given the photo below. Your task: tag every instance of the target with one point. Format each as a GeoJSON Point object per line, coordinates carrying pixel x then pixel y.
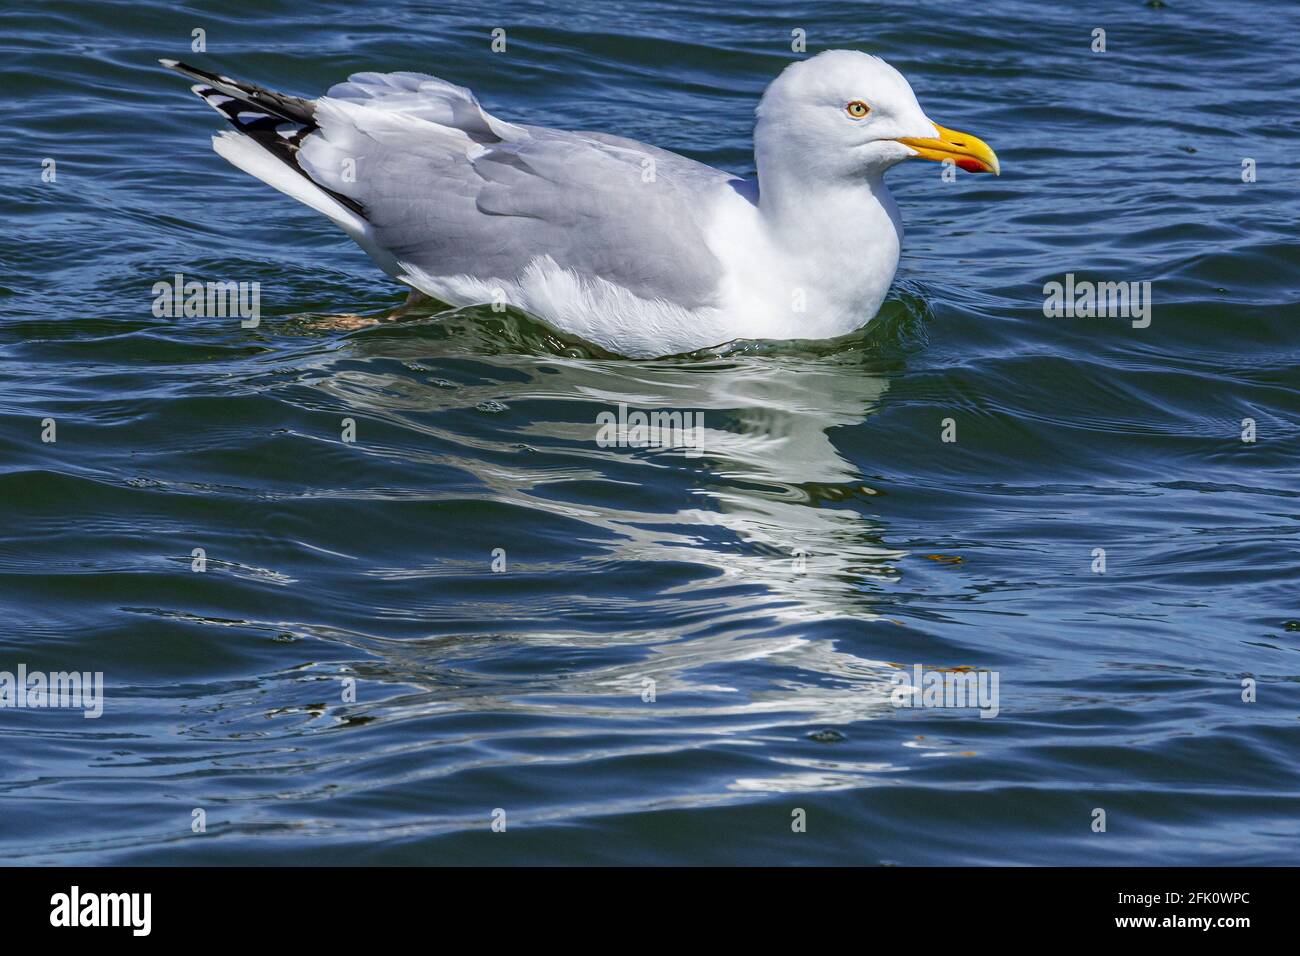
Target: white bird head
{"type": "Point", "coordinates": [843, 115]}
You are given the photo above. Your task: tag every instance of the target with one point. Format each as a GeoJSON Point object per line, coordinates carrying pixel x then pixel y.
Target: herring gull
{"type": "Point", "coordinates": [636, 249]}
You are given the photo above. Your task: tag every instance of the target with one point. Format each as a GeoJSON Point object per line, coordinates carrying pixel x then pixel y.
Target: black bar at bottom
{"type": "Point", "coordinates": [331, 906]}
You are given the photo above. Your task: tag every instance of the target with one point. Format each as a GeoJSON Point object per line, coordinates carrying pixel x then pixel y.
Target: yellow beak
{"type": "Point", "coordinates": [969, 152]}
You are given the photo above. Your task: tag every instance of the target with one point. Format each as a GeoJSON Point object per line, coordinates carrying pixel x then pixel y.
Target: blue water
{"type": "Point", "coordinates": [826, 539]}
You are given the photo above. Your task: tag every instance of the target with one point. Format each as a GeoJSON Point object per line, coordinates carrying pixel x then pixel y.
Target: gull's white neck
{"type": "Point", "coordinates": [816, 256]}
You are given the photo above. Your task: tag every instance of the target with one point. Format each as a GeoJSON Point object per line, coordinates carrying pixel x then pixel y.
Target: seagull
{"type": "Point", "coordinates": [632, 248]}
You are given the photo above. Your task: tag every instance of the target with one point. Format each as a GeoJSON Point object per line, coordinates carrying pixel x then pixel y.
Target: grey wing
{"type": "Point", "coordinates": [451, 190]}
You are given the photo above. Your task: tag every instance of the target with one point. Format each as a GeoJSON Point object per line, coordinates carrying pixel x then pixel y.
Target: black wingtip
{"type": "Point", "coordinates": [184, 68]}
{"type": "Point", "coordinates": [293, 108]}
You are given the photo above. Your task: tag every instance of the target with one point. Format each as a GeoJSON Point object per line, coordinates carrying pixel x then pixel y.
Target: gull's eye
{"type": "Point", "coordinates": [858, 109]}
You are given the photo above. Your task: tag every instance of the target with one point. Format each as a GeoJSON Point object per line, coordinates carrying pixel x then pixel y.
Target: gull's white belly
{"type": "Point", "coordinates": [591, 308]}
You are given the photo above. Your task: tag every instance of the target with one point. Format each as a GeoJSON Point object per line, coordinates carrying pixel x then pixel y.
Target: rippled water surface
{"type": "Point", "coordinates": [825, 538]}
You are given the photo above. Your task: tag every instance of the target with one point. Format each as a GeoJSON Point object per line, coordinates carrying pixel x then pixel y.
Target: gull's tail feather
{"type": "Point", "coordinates": [270, 126]}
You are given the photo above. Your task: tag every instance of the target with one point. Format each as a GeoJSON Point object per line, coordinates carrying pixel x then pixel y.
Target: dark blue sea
{"type": "Point", "coordinates": [474, 634]}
